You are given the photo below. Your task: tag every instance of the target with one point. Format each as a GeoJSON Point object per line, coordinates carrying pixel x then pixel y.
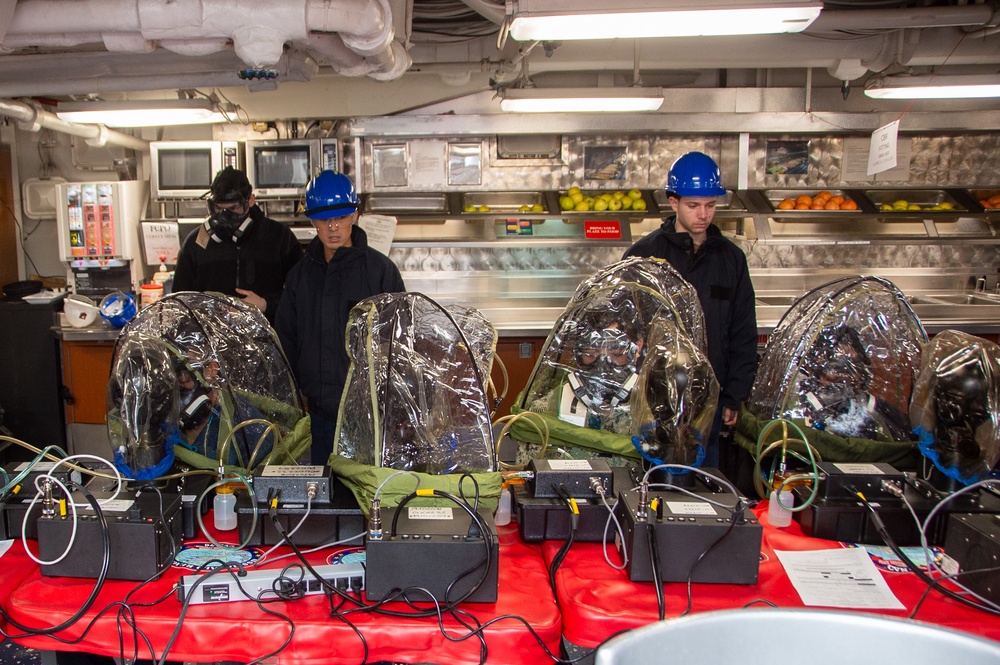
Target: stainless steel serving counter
{"type": "Point", "coordinates": [972, 311]}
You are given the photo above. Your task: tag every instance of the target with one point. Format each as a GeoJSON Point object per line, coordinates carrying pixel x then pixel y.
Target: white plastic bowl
{"type": "Point", "coordinates": [80, 311]}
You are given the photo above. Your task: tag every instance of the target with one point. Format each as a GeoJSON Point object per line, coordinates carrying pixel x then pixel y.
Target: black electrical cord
{"type": "Point", "coordinates": [654, 563]}
{"type": "Point", "coordinates": [574, 522]}
{"type": "Point", "coordinates": [924, 577]}
{"type": "Point", "coordinates": [738, 511]}
{"type": "Point", "coordinates": [99, 584]}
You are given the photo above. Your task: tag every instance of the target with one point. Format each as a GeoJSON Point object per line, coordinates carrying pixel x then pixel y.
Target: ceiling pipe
{"type": "Point", "coordinates": [832, 20]}
{"type": "Point", "coordinates": [32, 119]}
{"type": "Point", "coordinates": [259, 31]}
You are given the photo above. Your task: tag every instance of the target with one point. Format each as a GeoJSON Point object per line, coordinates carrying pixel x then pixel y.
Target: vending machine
{"type": "Point", "coordinates": [99, 235]}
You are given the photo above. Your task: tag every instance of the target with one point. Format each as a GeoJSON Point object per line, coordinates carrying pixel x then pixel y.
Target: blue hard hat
{"type": "Point", "coordinates": [118, 308]}
{"type": "Point", "coordinates": [695, 174]}
{"type": "Point", "coordinates": [330, 195]}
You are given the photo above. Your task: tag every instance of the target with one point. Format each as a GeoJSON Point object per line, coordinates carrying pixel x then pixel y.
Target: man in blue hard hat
{"type": "Point", "coordinates": [338, 271]}
{"type": "Point", "coordinates": [718, 270]}
{"type": "Point", "coordinates": [238, 251]}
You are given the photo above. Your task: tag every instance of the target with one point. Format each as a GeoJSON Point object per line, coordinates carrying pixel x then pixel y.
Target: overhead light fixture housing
{"type": "Point", "coordinates": [142, 113]}
{"type": "Point", "coordinates": [933, 87]}
{"type": "Point", "coordinates": [580, 100]}
{"type": "Point", "coordinates": [560, 20]}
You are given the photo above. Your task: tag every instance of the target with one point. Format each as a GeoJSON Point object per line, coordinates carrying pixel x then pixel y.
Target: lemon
{"type": "Point", "coordinates": [885, 206]}
{"type": "Point", "coordinates": [944, 205]}
{"type": "Point", "coordinates": [913, 206]}
{"type": "Point", "coordinates": [900, 204]}
{"type": "Point", "coordinates": [469, 209]}
{"type": "Point", "coordinates": [538, 207]}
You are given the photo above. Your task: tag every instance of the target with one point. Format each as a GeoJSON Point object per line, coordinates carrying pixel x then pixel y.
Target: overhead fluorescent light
{"type": "Point", "coordinates": [580, 100]}
{"type": "Point", "coordinates": [933, 87]}
{"type": "Point", "coordinates": [142, 113]}
{"type": "Point", "coordinates": [560, 20]}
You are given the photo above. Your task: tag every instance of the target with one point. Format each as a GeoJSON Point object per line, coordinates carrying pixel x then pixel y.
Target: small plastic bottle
{"type": "Point", "coordinates": [162, 275]}
{"type": "Point", "coordinates": [224, 509]}
{"type": "Point", "coordinates": [778, 513]}
{"type": "Point", "coordinates": [503, 509]}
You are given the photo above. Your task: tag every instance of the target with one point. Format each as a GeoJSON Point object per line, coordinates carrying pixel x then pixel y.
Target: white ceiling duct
{"type": "Point", "coordinates": [258, 31]}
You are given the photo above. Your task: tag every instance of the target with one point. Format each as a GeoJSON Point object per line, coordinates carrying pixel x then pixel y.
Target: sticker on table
{"type": "Point", "coordinates": [349, 555]}
{"type": "Point", "coordinates": [885, 559]}
{"type": "Point", "coordinates": [193, 556]}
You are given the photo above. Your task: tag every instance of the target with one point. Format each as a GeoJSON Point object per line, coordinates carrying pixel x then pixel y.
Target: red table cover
{"type": "Point", "coordinates": [597, 601]}
{"type": "Point", "coordinates": [239, 631]}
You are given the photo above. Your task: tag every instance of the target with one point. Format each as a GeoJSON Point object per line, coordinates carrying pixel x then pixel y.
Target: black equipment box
{"type": "Point", "coordinates": [16, 505]}
{"type": "Point", "coordinates": [577, 476]}
{"type": "Point", "coordinates": [143, 539]}
{"type": "Point", "coordinates": [331, 522]}
{"type": "Point", "coordinates": [433, 548]}
{"type": "Point", "coordinates": [837, 479]}
{"type": "Point", "coordinates": [549, 519]}
{"type": "Point", "coordinates": [973, 541]}
{"type": "Point", "coordinates": [849, 521]}
{"type": "Point", "coordinates": [291, 483]}
{"type": "Point", "coordinates": [685, 527]}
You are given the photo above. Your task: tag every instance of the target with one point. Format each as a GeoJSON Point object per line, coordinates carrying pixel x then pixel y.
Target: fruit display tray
{"type": "Point", "coordinates": [913, 200]}
{"type": "Point", "coordinates": [776, 196]}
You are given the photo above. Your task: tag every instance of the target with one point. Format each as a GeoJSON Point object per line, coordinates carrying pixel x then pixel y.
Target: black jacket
{"type": "Point", "coordinates": [258, 261]}
{"type": "Point", "coordinates": [720, 275]}
{"type": "Point", "coordinates": [312, 315]}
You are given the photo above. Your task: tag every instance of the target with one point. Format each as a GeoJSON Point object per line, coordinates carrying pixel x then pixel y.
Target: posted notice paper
{"type": "Point", "coordinates": [844, 577]}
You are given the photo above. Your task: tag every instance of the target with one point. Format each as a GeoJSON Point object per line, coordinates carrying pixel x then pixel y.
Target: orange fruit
{"type": "Point", "coordinates": [802, 206]}
{"type": "Point", "coordinates": [786, 204]}
{"type": "Point", "coordinates": [984, 203]}
{"type": "Point", "coordinates": [804, 198]}
{"type": "Point", "coordinates": [831, 205]}
{"type": "Point", "coordinates": [848, 204]}
{"type": "Point", "coordinates": [825, 194]}
{"type": "Point", "coordinates": [994, 201]}
{"type": "Point", "coordinates": [837, 199]}
{"type": "Point", "coordinates": [817, 205]}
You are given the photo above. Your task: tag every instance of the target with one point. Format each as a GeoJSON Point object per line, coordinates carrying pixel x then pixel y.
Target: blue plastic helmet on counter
{"type": "Point", "coordinates": [695, 174]}
{"type": "Point", "coordinates": [330, 195]}
{"type": "Point", "coordinates": [118, 308]}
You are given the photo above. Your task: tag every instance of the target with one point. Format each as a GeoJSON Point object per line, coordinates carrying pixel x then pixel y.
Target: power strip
{"type": "Point", "coordinates": [223, 588]}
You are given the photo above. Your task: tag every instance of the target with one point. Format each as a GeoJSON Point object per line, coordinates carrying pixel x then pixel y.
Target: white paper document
{"type": "Point", "coordinates": [844, 578]}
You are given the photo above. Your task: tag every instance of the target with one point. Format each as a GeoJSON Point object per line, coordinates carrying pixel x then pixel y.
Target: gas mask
{"type": "Point", "coordinates": [960, 407]}
{"type": "Point", "coordinates": [195, 402]}
{"type": "Point", "coordinates": [227, 223]}
{"type": "Point", "coordinates": [605, 365]}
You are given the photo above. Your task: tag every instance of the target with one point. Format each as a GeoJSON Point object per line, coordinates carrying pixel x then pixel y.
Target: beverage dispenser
{"type": "Point", "coordinates": [99, 235]}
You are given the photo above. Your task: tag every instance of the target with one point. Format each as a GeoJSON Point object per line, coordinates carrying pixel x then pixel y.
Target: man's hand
{"type": "Point", "coordinates": [729, 416]}
{"type": "Point", "coordinates": [257, 301]}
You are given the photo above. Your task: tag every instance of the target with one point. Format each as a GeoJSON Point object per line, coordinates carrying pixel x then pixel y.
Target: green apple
{"type": "Point", "coordinates": [635, 194]}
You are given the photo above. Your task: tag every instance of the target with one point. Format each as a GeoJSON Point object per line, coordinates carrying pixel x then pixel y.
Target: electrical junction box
{"type": "Point", "coordinates": [292, 483]}
{"type": "Point", "coordinates": [577, 476]}
{"type": "Point", "coordinates": [144, 528]}
{"type": "Point", "coordinates": [223, 587]}
{"type": "Point", "coordinates": [685, 528]}
{"type": "Point", "coordinates": [837, 479]}
{"type": "Point", "coordinates": [434, 549]}
{"type": "Point", "coordinates": [339, 520]}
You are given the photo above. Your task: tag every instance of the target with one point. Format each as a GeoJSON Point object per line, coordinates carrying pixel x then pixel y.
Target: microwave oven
{"type": "Point", "coordinates": [185, 169]}
{"type": "Point", "coordinates": [281, 168]}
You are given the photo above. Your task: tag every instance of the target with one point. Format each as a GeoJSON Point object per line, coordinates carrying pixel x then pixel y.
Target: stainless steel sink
{"type": "Point", "coordinates": [776, 301]}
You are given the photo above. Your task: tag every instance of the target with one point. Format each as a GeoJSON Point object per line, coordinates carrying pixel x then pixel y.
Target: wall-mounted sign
{"type": "Point", "coordinates": [604, 162]}
{"type": "Point", "coordinates": [160, 242]}
{"type": "Point", "coordinates": [602, 230]}
{"type": "Point", "coordinates": [787, 157]}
